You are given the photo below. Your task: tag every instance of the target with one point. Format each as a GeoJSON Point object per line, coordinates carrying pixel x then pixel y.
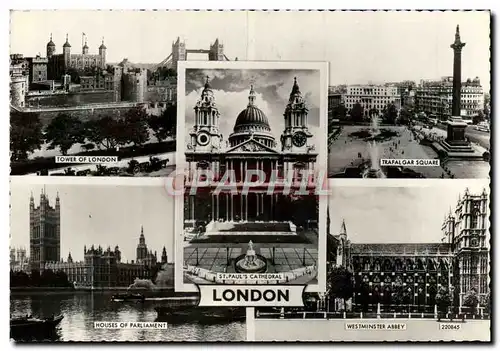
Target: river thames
{"type": "Point", "coordinates": [81, 309]}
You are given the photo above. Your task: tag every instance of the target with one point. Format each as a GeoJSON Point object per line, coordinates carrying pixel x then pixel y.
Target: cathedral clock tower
{"type": "Point", "coordinates": [205, 135]}
{"type": "Point", "coordinates": [295, 137]}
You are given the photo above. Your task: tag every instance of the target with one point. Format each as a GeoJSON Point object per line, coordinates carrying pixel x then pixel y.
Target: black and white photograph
{"type": "Point", "coordinates": [88, 86]}
{"type": "Point", "coordinates": [247, 127]}
{"type": "Point", "coordinates": [424, 112]}
{"type": "Point", "coordinates": [407, 262]}
{"type": "Point", "coordinates": [87, 264]}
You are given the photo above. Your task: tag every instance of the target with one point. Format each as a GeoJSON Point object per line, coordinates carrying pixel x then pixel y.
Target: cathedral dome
{"type": "Point", "coordinates": [252, 123]}
{"type": "Point", "coordinates": [51, 44]}
{"type": "Point", "coordinates": [252, 116]}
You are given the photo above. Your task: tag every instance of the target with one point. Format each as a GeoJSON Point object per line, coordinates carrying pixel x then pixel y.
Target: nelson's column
{"type": "Point", "coordinates": [456, 145]}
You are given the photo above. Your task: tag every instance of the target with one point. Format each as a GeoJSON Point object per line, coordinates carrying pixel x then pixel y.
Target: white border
{"type": "Point", "coordinates": [321, 163]}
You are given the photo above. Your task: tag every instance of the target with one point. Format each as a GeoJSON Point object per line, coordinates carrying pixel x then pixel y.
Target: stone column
{"type": "Point", "coordinates": [232, 206]}
{"type": "Point", "coordinates": [246, 207]}
{"type": "Point", "coordinates": [257, 198]}
{"type": "Point", "coordinates": [227, 207]}
{"type": "Point", "coordinates": [213, 207]}
{"type": "Point", "coordinates": [241, 207]}
{"type": "Point", "coordinates": [217, 206]}
{"type": "Point", "coordinates": [191, 198]}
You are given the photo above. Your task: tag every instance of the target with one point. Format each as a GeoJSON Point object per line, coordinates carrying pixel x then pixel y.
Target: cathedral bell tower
{"type": "Point", "coordinates": [205, 135]}
{"type": "Point", "coordinates": [296, 134]}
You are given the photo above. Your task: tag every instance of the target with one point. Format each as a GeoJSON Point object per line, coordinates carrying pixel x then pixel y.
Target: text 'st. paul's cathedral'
{"type": "Point", "coordinates": [251, 146]}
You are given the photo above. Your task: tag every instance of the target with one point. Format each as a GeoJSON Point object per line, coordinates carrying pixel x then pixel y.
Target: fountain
{"type": "Point", "coordinates": [374, 171]}
{"type": "Point", "coordinates": [375, 128]}
{"type": "Point", "coordinates": [251, 262]}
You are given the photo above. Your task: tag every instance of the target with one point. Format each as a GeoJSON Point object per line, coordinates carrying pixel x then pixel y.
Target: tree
{"type": "Point", "coordinates": [135, 129]}
{"type": "Point", "coordinates": [487, 303]}
{"type": "Point", "coordinates": [339, 284]}
{"type": "Point", "coordinates": [405, 116]}
{"type": "Point", "coordinates": [339, 112]}
{"type": "Point", "coordinates": [165, 125]}
{"type": "Point", "coordinates": [390, 114]}
{"type": "Point", "coordinates": [25, 134]}
{"type": "Point", "coordinates": [471, 299]}
{"type": "Point", "coordinates": [64, 131]}
{"type": "Point", "coordinates": [443, 299]}
{"type": "Point", "coordinates": [357, 112]}
{"type": "Point", "coordinates": [19, 279]}
{"type": "Point", "coordinates": [105, 131]}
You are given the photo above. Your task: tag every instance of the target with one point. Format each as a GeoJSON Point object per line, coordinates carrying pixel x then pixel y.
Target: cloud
{"type": "Point", "coordinates": [230, 104]}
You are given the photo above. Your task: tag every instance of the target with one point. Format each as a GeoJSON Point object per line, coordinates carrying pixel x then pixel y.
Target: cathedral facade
{"type": "Point", "coordinates": [250, 149]}
{"type": "Point", "coordinates": [415, 272]}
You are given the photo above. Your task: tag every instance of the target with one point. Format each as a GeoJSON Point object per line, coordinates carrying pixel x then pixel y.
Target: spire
{"type": "Point", "coordinates": [251, 96]}
{"type": "Point", "coordinates": [457, 33]}
{"type": "Point", "coordinates": [207, 83]}
{"type": "Point", "coordinates": [142, 231]}
{"type": "Point", "coordinates": [31, 197]}
{"type": "Point", "coordinates": [295, 88]}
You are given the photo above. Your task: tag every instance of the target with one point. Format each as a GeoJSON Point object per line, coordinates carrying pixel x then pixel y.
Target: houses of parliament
{"type": "Point", "coordinates": [100, 267]}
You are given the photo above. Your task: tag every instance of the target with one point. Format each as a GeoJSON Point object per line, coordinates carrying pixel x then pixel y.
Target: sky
{"type": "Point", "coordinates": [106, 215]}
{"type": "Point", "coordinates": [409, 214]}
{"type": "Point", "coordinates": [231, 88]}
{"type": "Point", "coordinates": [361, 47]}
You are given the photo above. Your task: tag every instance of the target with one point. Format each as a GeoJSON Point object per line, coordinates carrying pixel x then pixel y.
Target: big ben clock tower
{"type": "Point", "coordinates": [205, 135]}
{"type": "Point", "coordinates": [295, 137]}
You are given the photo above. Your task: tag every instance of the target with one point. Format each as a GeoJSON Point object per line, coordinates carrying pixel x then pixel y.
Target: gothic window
{"type": "Point", "coordinates": [376, 279]}
{"type": "Point", "coordinates": [387, 279]}
{"type": "Point", "coordinates": [398, 265]}
{"type": "Point", "coordinates": [420, 265]}
{"type": "Point", "coordinates": [430, 265]}
{"type": "Point", "coordinates": [409, 265]}
{"type": "Point", "coordinates": [377, 266]}
{"type": "Point", "coordinates": [366, 279]}
{"type": "Point", "coordinates": [366, 265]}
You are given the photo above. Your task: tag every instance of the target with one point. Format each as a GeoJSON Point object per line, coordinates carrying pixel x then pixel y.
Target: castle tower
{"type": "Point", "coordinates": [216, 52]}
{"type": "Point", "coordinates": [18, 89]}
{"type": "Point", "coordinates": [45, 240]}
{"type": "Point", "coordinates": [67, 53]}
{"type": "Point", "coordinates": [117, 83]}
{"type": "Point", "coordinates": [70, 259]}
{"type": "Point", "coordinates": [296, 133]}
{"type": "Point", "coordinates": [51, 48]}
{"type": "Point", "coordinates": [178, 52]}
{"type": "Point", "coordinates": [205, 135]}
{"type": "Point", "coordinates": [142, 249]}
{"type": "Point", "coordinates": [448, 229]}
{"type": "Point", "coordinates": [85, 48]}
{"type": "Point", "coordinates": [471, 243]}
{"type": "Point", "coordinates": [102, 53]}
